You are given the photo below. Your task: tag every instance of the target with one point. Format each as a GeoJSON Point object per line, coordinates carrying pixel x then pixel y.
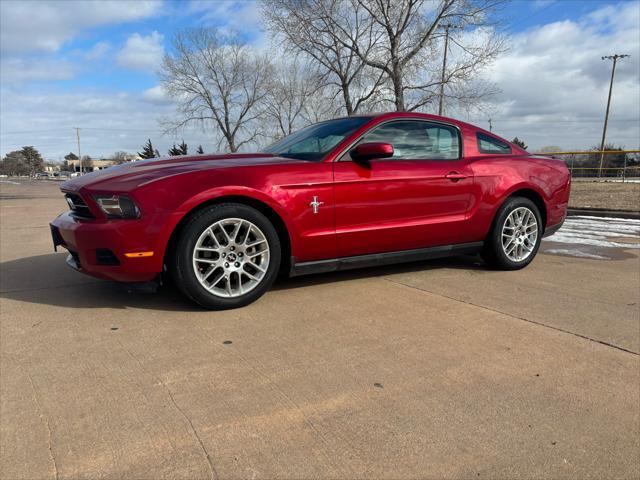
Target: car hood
{"type": "Point", "coordinates": [130, 175]}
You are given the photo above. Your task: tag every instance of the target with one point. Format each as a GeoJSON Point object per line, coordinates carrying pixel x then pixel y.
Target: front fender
{"type": "Point", "coordinates": [214, 194]}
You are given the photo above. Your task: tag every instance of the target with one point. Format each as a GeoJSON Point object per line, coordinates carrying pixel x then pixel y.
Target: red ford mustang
{"type": "Point", "coordinates": [350, 192]}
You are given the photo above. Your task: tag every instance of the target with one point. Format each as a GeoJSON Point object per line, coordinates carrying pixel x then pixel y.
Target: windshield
{"type": "Point", "coordinates": [315, 141]}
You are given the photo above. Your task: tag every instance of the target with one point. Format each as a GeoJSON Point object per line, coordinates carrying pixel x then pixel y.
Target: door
{"type": "Point", "coordinates": [417, 198]}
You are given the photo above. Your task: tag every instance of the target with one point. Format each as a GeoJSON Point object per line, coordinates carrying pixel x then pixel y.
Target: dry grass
{"type": "Point", "coordinates": [605, 195]}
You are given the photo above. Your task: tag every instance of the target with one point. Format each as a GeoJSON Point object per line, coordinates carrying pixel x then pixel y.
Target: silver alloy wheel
{"type": "Point", "coordinates": [519, 234]}
{"type": "Point", "coordinates": [231, 257]}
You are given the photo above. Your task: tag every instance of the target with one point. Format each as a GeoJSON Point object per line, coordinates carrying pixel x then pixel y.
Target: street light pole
{"type": "Point", "coordinates": [606, 116]}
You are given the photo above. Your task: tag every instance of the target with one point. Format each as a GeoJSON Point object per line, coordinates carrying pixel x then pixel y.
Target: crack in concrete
{"type": "Point", "coordinates": [214, 473]}
{"type": "Point", "coordinates": [212, 468]}
{"type": "Point", "coordinates": [558, 329]}
{"type": "Point", "coordinates": [46, 424]}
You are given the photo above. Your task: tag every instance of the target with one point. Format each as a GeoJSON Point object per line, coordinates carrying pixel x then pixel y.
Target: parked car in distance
{"type": "Point", "coordinates": [345, 193]}
{"type": "Point", "coordinates": [41, 176]}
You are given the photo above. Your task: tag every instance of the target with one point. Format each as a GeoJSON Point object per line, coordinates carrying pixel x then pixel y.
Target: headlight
{"type": "Point", "coordinates": [117, 206]}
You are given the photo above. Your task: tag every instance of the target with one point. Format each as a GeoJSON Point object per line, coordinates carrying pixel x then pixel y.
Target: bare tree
{"type": "Point", "coordinates": [120, 157]}
{"type": "Point", "coordinates": [87, 163]}
{"type": "Point", "coordinates": [323, 105]}
{"type": "Point", "coordinates": [217, 80]}
{"type": "Point", "coordinates": [297, 97]}
{"type": "Point", "coordinates": [308, 28]}
{"type": "Point", "coordinates": [398, 40]}
{"type": "Point", "coordinates": [285, 103]}
{"type": "Point", "coordinates": [410, 40]}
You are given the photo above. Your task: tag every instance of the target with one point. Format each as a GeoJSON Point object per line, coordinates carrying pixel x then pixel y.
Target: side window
{"type": "Point", "coordinates": [417, 140]}
{"type": "Point", "coordinates": [487, 144]}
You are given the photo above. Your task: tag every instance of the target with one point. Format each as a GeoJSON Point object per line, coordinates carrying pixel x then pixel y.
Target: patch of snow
{"type": "Point", "coordinates": [599, 232]}
{"type": "Point", "coordinates": [10, 182]}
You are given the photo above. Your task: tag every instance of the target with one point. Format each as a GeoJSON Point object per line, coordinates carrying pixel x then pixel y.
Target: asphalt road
{"type": "Point", "coordinates": [433, 370]}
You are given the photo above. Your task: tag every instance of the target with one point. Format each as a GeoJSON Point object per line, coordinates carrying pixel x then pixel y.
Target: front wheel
{"type": "Point", "coordinates": [227, 256]}
{"type": "Point", "coordinates": [515, 236]}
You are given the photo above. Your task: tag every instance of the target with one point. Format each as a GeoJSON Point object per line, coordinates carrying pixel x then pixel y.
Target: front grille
{"type": "Point", "coordinates": [104, 256]}
{"type": "Point", "coordinates": [78, 206]}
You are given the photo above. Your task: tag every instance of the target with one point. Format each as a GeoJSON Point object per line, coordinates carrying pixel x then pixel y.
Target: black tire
{"type": "Point", "coordinates": [493, 252]}
{"type": "Point", "coordinates": [181, 261]}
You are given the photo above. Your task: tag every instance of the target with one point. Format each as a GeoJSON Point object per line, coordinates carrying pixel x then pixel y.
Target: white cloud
{"type": "Point", "coordinates": [540, 4]}
{"type": "Point", "coordinates": [237, 15]}
{"type": "Point", "coordinates": [109, 122]}
{"type": "Point", "coordinates": [40, 67]}
{"type": "Point", "coordinates": [22, 70]}
{"type": "Point", "coordinates": [47, 25]}
{"type": "Point", "coordinates": [242, 17]}
{"type": "Point", "coordinates": [96, 52]}
{"type": "Point", "coordinates": [156, 95]}
{"type": "Point", "coordinates": [142, 53]}
{"type": "Point", "coordinates": [555, 85]}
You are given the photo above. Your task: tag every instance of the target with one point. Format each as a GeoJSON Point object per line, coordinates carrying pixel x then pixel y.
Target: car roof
{"type": "Point", "coordinates": [426, 116]}
{"type": "Point", "coordinates": [435, 118]}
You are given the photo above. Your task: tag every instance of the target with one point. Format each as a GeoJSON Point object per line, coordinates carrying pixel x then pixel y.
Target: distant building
{"type": "Point", "coordinates": [50, 167]}
{"type": "Point", "coordinates": [90, 165]}
{"type": "Point", "coordinates": [93, 165]}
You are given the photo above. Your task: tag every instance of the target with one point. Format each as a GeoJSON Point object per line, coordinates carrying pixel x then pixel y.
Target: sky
{"type": "Point", "coordinates": [93, 65]}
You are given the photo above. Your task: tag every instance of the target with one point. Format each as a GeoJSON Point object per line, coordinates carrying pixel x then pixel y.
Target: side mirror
{"type": "Point", "coordinates": [369, 151]}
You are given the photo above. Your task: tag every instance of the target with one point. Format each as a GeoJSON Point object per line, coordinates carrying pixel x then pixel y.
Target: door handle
{"type": "Point", "coordinates": [455, 176]}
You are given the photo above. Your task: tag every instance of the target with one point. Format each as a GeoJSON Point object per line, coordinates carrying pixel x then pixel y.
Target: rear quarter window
{"type": "Point", "coordinates": [488, 144]}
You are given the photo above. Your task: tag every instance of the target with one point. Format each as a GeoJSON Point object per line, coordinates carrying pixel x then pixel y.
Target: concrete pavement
{"type": "Point", "coordinates": [434, 370]}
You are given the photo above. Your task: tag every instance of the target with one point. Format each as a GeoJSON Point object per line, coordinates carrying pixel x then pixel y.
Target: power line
{"type": "Point", "coordinates": [101, 129]}
{"type": "Point", "coordinates": [529, 17]}
{"type": "Point", "coordinates": [15, 132]}
{"type": "Point", "coordinates": [60, 129]}
{"type": "Point", "coordinates": [125, 129]}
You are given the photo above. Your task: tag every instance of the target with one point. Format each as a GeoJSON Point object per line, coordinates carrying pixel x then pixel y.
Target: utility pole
{"type": "Point", "coordinates": [444, 64]}
{"type": "Point", "coordinates": [606, 115]}
{"type": "Point", "coordinates": [490, 125]}
{"type": "Point", "coordinates": [79, 156]}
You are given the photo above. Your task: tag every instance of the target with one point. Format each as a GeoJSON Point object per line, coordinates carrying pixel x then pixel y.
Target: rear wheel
{"type": "Point", "coordinates": [515, 236]}
{"type": "Point", "coordinates": [227, 256]}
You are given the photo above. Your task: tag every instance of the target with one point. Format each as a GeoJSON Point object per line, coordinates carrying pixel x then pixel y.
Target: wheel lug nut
{"type": "Point", "coordinates": [233, 248]}
{"type": "Point", "coordinates": [237, 264]}
{"type": "Point", "coordinates": [240, 254]}
{"type": "Point", "coordinates": [226, 265]}
{"type": "Point", "coordinates": [224, 255]}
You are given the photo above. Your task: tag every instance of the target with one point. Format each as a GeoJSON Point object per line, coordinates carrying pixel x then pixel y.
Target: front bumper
{"type": "Point", "coordinates": [98, 248]}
